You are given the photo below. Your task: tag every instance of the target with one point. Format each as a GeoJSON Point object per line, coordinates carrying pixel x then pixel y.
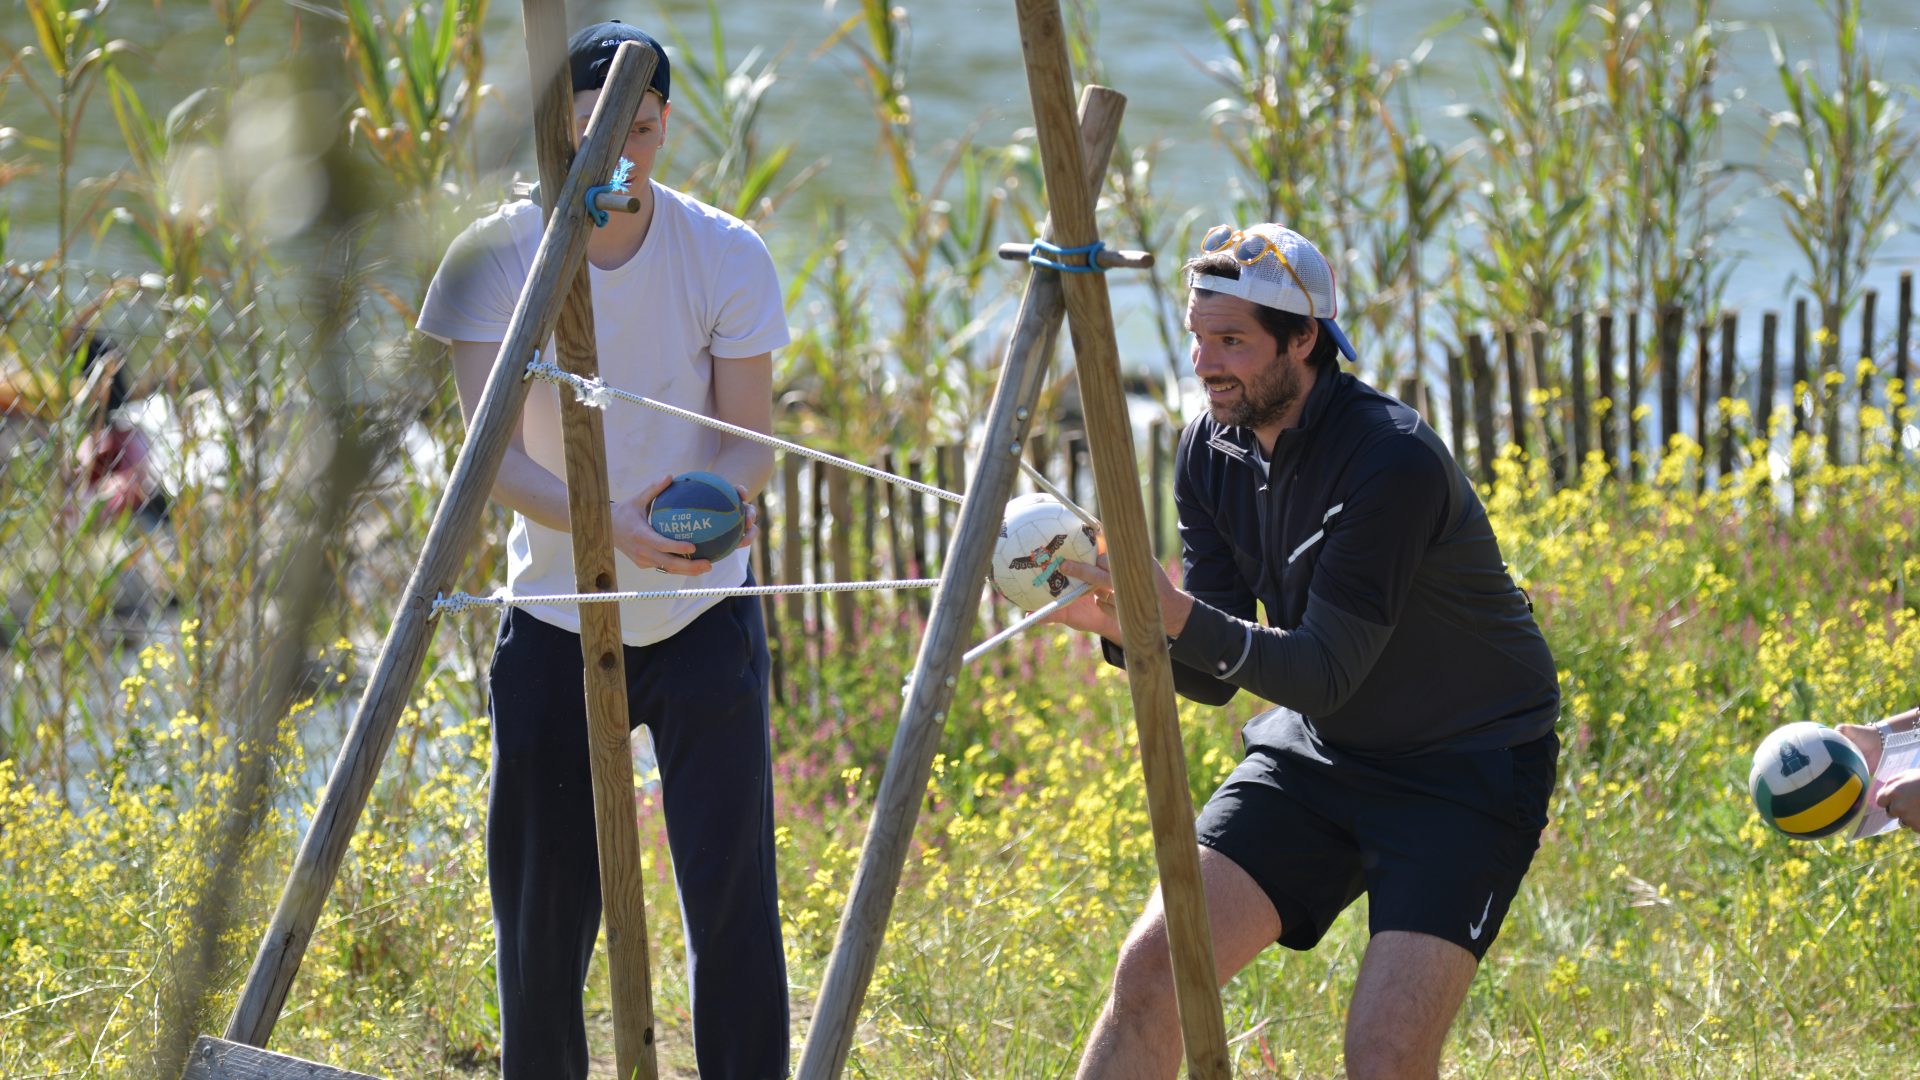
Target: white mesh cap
{"type": "Point", "coordinates": [1279, 269]}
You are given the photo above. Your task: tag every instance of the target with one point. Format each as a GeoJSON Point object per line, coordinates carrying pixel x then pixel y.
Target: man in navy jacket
{"type": "Point", "coordinates": [1410, 751]}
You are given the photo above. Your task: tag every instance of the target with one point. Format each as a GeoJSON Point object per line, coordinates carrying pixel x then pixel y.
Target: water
{"type": "Point", "coordinates": [967, 81]}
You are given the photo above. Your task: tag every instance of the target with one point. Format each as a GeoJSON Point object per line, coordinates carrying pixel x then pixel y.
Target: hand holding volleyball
{"type": "Point", "coordinates": [1808, 780]}
{"type": "Point", "coordinates": [729, 524]}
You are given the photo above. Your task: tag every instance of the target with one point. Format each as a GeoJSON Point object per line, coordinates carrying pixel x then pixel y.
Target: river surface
{"type": "Point", "coordinates": [966, 81]}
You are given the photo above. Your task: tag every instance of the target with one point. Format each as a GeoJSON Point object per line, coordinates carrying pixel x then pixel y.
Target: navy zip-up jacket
{"type": "Point", "coordinates": [1393, 626]}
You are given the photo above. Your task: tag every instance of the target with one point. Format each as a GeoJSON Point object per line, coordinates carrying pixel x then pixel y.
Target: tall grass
{"type": "Point", "coordinates": [1849, 164]}
{"type": "Point", "coordinates": [1662, 931]}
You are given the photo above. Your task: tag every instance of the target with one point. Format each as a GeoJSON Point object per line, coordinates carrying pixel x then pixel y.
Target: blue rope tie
{"type": "Point", "coordinates": [1039, 256]}
{"type": "Point", "coordinates": [617, 185]}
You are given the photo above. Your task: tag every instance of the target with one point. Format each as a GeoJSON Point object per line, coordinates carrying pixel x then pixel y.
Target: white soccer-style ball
{"type": "Point", "coordinates": [1037, 534]}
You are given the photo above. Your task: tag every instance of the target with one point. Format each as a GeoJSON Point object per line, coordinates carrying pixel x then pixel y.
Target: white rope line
{"type": "Point", "coordinates": [1047, 486]}
{"type": "Point", "coordinates": [1064, 599]}
{"type": "Point", "coordinates": [595, 393]}
{"type": "Point", "coordinates": [461, 601]}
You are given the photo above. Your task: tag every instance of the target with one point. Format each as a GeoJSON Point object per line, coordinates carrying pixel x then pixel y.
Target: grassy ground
{"type": "Point", "coordinates": [1663, 931]}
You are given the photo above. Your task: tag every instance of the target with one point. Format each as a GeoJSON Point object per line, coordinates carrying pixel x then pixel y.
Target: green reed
{"type": "Point", "coordinates": [1662, 124]}
{"type": "Point", "coordinates": [725, 96]}
{"type": "Point", "coordinates": [1848, 162]}
{"type": "Point", "coordinates": [1535, 164]}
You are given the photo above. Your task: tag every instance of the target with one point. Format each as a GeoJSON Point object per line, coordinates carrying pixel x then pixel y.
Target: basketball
{"type": "Point", "coordinates": [1037, 534]}
{"type": "Point", "coordinates": [1808, 781]}
{"type": "Point", "coordinates": [702, 509]}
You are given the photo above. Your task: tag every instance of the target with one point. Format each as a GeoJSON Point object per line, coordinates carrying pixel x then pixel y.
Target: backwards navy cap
{"type": "Point", "coordinates": [590, 55]}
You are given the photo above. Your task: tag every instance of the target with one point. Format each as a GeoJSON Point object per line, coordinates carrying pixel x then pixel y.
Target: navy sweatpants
{"type": "Point", "coordinates": [703, 692]}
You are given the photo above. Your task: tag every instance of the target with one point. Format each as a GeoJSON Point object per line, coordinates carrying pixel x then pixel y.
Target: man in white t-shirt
{"type": "Point", "coordinates": [687, 309]}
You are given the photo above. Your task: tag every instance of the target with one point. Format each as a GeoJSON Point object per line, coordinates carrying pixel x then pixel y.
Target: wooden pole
{"type": "Point", "coordinates": [896, 549]}
{"type": "Point", "coordinates": [1636, 459]}
{"type": "Point", "coordinates": [1159, 475]}
{"type": "Point", "coordinates": [1702, 391]}
{"type": "Point", "coordinates": [1518, 418]}
{"type": "Point", "coordinates": [917, 514]}
{"type": "Point", "coordinates": [1606, 405]}
{"type": "Point", "coordinates": [1043, 41]}
{"type": "Point", "coordinates": [817, 560]}
{"type": "Point", "coordinates": [1903, 359]}
{"type": "Point", "coordinates": [923, 714]}
{"type": "Point", "coordinates": [1550, 432]}
{"type": "Point", "coordinates": [1803, 386]}
{"type": "Point", "coordinates": [1869, 303]}
{"type": "Point", "coordinates": [840, 502]}
{"type": "Point", "coordinates": [1581, 434]}
{"type": "Point", "coordinates": [1076, 443]}
{"type": "Point", "coordinates": [1485, 384]}
{"type": "Point", "coordinates": [793, 533]}
{"type": "Point", "coordinates": [1457, 404]}
{"type": "Point", "coordinates": [623, 892]}
{"type": "Point", "coordinates": [455, 525]}
{"type": "Point", "coordinates": [770, 605]}
{"type": "Point", "coordinates": [1729, 333]}
{"type": "Point", "coordinates": [1769, 376]}
{"type": "Point", "coordinates": [1672, 325]}
{"type": "Point", "coordinates": [941, 466]}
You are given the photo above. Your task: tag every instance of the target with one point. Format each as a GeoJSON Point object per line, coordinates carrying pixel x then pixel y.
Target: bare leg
{"type": "Point", "coordinates": [1409, 990]}
{"type": "Point", "coordinates": [1137, 1036]}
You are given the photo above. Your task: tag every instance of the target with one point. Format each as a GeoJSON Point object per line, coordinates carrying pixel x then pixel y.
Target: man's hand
{"type": "Point", "coordinates": [1900, 798]}
{"type": "Point", "coordinates": [752, 515]}
{"type": "Point", "coordinates": [1867, 740]}
{"type": "Point", "coordinates": [1095, 611]}
{"type": "Point", "coordinates": [635, 539]}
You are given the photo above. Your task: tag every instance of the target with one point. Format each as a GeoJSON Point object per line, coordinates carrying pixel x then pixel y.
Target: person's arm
{"type": "Point", "coordinates": [743, 397]}
{"type": "Point", "coordinates": [1375, 538]}
{"type": "Point", "coordinates": [1207, 569]}
{"type": "Point", "coordinates": [526, 487]}
{"type": "Point", "coordinates": [1870, 739]}
{"type": "Point", "coordinates": [1899, 794]}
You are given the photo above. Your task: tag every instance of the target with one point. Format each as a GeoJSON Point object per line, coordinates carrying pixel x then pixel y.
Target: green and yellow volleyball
{"type": "Point", "coordinates": [1808, 781]}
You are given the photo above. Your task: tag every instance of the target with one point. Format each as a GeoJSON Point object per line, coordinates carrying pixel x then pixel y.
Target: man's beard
{"type": "Point", "coordinates": [1263, 399]}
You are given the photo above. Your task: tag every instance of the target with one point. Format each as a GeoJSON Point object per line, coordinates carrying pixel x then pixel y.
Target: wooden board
{"type": "Point", "coordinates": [218, 1059]}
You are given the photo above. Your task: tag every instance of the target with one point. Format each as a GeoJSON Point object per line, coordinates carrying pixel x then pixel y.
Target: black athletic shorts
{"type": "Point", "coordinates": [1438, 842]}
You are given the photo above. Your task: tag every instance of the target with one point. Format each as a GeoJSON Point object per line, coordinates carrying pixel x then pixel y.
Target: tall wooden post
{"type": "Point", "coordinates": [455, 525]}
{"type": "Point", "coordinates": [623, 893]}
{"type": "Point", "coordinates": [1672, 326]}
{"type": "Point", "coordinates": [1702, 397]}
{"type": "Point", "coordinates": [1581, 426]}
{"type": "Point", "coordinates": [1607, 405]}
{"type": "Point", "coordinates": [936, 669]}
{"type": "Point", "coordinates": [1868, 304]}
{"type": "Point", "coordinates": [1116, 472]}
{"type": "Point", "coordinates": [1903, 359]}
{"type": "Point", "coordinates": [1729, 333]}
{"type": "Point", "coordinates": [1485, 384]}
{"type": "Point", "coordinates": [1769, 376]}
{"type": "Point", "coordinates": [1636, 374]}
{"type": "Point", "coordinates": [1803, 389]}
{"type": "Point", "coordinates": [1518, 413]}
{"type": "Point", "coordinates": [1457, 404]}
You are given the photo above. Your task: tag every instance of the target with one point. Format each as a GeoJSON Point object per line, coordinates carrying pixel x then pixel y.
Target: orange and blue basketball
{"type": "Point", "coordinates": [1808, 781]}
{"type": "Point", "coordinates": [701, 508]}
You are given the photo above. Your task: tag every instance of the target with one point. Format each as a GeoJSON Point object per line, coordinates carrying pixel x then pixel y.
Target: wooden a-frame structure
{"type": "Point", "coordinates": [557, 300]}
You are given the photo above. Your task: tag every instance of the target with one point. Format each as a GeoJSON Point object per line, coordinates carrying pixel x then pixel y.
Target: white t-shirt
{"type": "Point", "coordinates": [702, 287]}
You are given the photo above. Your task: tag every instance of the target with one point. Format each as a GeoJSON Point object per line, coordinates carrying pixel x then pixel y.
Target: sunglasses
{"type": "Point", "coordinates": [1248, 248]}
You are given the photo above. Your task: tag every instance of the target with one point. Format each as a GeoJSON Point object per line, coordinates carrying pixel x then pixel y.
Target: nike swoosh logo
{"type": "Point", "coordinates": [1473, 929]}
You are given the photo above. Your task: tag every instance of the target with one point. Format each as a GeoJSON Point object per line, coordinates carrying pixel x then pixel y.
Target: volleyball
{"type": "Point", "coordinates": [1037, 534]}
{"type": "Point", "coordinates": [1808, 781]}
{"type": "Point", "coordinates": [703, 509]}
